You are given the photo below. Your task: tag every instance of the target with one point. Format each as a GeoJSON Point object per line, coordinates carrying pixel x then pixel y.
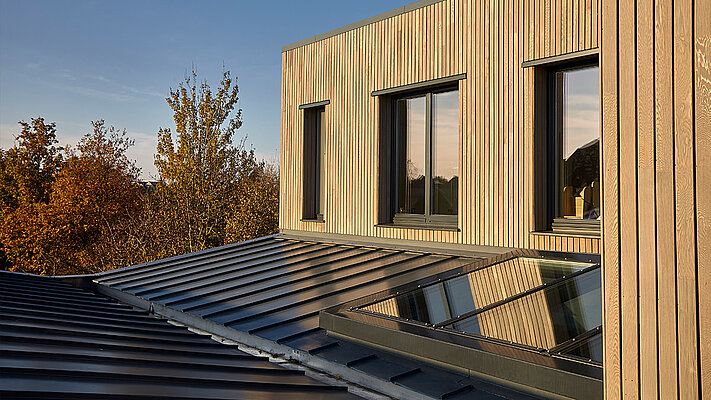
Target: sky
{"type": "Point", "coordinates": [77, 61]}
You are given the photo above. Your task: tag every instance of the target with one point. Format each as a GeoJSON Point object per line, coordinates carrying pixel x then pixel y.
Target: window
{"type": "Point", "coordinates": [576, 141]}
{"type": "Point", "coordinates": [314, 161]}
{"type": "Point", "coordinates": [568, 147]}
{"type": "Point", "coordinates": [426, 170]}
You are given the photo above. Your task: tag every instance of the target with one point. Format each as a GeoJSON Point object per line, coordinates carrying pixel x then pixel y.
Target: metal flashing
{"type": "Point", "coordinates": [419, 85]}
{"type": "Point", "coordinates": [446, 350]}
{"type": "Point", "coordinates": [561, 58]}
{"type": "Point", "coordinates": [453, 249]}
{"type": "Point", "coordinates": [315, 104]}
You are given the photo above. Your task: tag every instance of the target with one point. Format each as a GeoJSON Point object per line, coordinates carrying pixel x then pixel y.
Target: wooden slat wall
{"type": "Point", "coordinates": [487, 40]}
{"type": "Point", "coordinates": [656, 119]}
{"type": "Point", "coordinates": [656, 110]}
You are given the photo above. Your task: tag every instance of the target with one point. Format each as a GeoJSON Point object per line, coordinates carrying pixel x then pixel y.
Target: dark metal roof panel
{"type": "Point", "coordinates": [274, 288]}
{"type": "Point", "coordinates": [59, 341]}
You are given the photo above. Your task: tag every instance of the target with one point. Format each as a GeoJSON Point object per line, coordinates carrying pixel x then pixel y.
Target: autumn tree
{"type": "Point", "coordinates": [206, 181]}
{"type": "Point", "coordinates": [90, 197]}
{"type": "Point", "coordinates": [27, 169]}
{"type": "Point", "coordinates": [255, 207]}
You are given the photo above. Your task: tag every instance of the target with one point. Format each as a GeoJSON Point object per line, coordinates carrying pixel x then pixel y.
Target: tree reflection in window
{"type": "Point", "coordinates": [428, 155]}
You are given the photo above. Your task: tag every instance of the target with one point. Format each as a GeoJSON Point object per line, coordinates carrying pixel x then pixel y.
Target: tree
{"type": "Point", "coordinates": [200, 173]}
{"type": "Point", "coordinates": [255, 211]}
{"type": "Point", "coordinates": [86, 212]}
{"type": "Point", "coordinates": [27, 169]}
{"type": "Point", "coordinates": [80, 228]}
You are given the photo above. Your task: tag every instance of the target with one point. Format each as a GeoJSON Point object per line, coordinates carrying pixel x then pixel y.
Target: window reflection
{"type": "Point", "coordinates": [321, 163]}
{"type": "Point", "coordinates": [427, 146]}
{"type": "Point", "coordinates": [411, 125]}
{"type": "Point", "coordinates": [454, 297]}
{"type": "Point", "coordinates": [579, 127]}
{"type": "Point", "coordinates": [545, 318]}
{"type": "Point", "coordinates": [445, 152]}
{"type": "Point", "coordinates": [590, 348]}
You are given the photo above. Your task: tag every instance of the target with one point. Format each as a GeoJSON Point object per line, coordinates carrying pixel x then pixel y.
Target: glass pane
{"type": "Point", "coordinates": [590, 348]}
{"type": "Point", "coordinates": [546, 318]}
{"type": "Point", "coordinates": [445, 152]}
{"type": "Point", "coordinates": [580, 124]}
{"type": "Point", "coordinates": [411, 126]}
{"type": "Point", "coordinates": [451, 298]}
{"type": "Point", "coordinates": [322, 163]}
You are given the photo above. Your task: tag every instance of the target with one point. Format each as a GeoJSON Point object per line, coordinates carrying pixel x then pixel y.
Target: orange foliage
{"type": "Point", "coordinates": [90, 197]}
{"type": "Point", "coordinates": [84, 211]}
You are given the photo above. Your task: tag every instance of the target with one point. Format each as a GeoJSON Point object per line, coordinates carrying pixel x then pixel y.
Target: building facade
{"type": "Point", "coordinates": [580, 126]}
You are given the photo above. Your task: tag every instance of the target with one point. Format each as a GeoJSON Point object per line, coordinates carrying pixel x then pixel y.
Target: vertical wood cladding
{"type": "Point", "coordinates": [655, 80]}
{"type": "Point", "coordinates": [487, 40]}
{"type": "Point", "coordinates": [656, 127]}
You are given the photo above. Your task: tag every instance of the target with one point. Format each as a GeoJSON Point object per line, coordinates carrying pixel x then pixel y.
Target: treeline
{"type": "Point", "coordinates": [83, 209]}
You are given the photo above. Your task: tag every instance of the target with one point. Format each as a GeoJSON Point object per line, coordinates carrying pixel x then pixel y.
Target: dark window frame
{"type": "Point", "coordinates": [428, 219]}
{"type": "Point", "coordinates": [548, 148]}
{"type": "Point", "coordinates": [313, 171]}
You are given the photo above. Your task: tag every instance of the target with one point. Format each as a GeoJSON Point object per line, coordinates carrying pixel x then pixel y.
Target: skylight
{"type": "Point", "coordinates": [535, 302]}
{"type": "Point", "coordinates": [525, 316]}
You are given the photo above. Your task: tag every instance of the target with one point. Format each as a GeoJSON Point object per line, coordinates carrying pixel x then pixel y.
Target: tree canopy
{"type": "Point", "coordinates": [90, 193]}
{"type": "Point", "coordinates": [215, 191]}
{"type": "Point", "coordinates": [83, 210]}
{"type": "Point", "coordinates": [27, 169]}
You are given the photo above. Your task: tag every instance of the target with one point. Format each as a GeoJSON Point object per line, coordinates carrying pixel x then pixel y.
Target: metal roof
{"type": "Point", "coordinates": [61, 341]}
{"type": "Point", "coordinates": [273, 288]}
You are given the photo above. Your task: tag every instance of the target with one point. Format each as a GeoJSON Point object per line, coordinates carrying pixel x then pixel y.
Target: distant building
{"type": "Point", "coordinates": [149, 186]}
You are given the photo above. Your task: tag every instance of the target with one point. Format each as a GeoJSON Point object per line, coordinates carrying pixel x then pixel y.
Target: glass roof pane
{"type": "Point", "coordinates": [545, 318]}
{"type": "Point", "coordinates": [456, 296]}
{"type": "Point", "coordinates": [590, 348]}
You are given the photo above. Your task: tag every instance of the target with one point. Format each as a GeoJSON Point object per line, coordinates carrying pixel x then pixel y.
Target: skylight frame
{"type": "Point", "coordinates": [350, 321]}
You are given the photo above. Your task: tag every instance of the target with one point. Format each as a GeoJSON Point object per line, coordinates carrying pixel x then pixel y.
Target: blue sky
{"type": "Point", "coordinates": [75, 61]}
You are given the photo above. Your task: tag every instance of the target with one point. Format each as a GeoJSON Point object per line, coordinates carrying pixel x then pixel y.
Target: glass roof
{"type": "Point", "coordinates": [454, 297]}
{"type": "Point", "coordinates": [545, 318]}
{"type": "Point", "coordinates": [590, 348]}
{"type": "Point", "coordinates": [534, 302]}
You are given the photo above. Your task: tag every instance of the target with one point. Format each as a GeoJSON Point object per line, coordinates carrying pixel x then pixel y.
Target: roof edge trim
{"type": "Point", "coordinates": [359, 24]}
{"type": "Point", "coordinates": [327, 367]}
{"type": "Point", "coordinates": [449, 249]}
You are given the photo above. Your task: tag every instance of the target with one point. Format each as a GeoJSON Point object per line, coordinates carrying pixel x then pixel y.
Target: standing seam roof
{"type": "Point", "coordinates": [274, 288]}
{"type": "Point", "coordinates": [60, 341]}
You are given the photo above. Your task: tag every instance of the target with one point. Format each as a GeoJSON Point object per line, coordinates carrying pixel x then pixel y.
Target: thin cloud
{"type": "Point", "coordinates": [66, 74]}
{"type": "Point", "coordinates": [131, 89]}
{"type": "Point", "coordinates": [100, 94]}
